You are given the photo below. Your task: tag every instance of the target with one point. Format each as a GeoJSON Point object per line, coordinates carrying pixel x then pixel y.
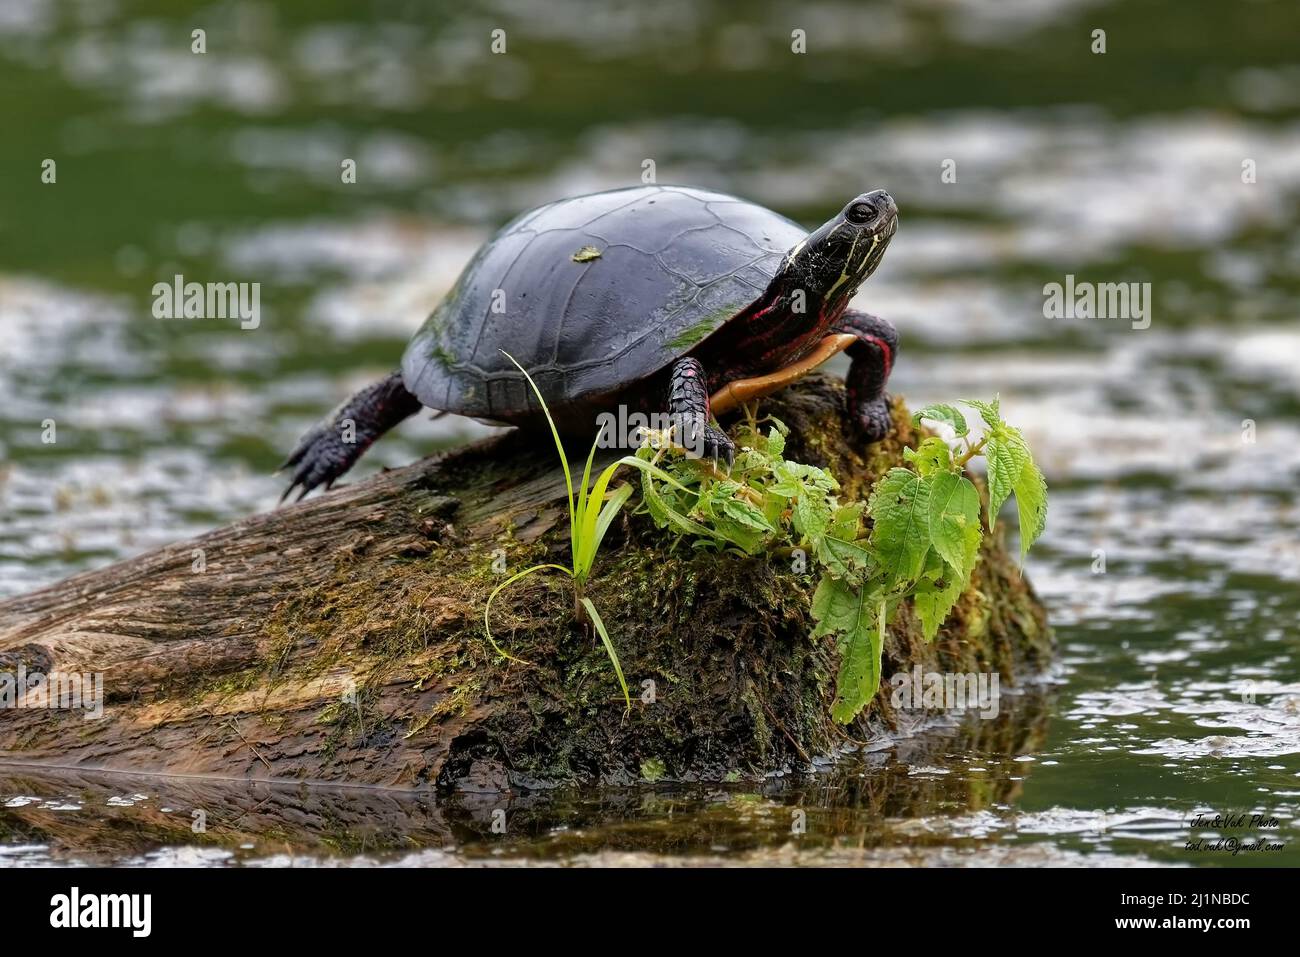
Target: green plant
{"type": "Point", "coordinates": [923, 540]}
{"type": "Point", "coordinates": [590, 515]}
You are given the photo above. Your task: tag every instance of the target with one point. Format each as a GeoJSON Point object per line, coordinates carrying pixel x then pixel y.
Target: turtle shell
{"type": "Point", "coordinates": [593, 294]}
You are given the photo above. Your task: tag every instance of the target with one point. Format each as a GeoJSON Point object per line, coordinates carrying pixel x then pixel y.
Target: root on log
{"type": "Point", "coordinates": [341, 639]}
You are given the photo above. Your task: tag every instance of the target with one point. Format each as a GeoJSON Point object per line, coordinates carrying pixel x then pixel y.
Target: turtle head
{"type": "Point", "coordinates": [838, 257]}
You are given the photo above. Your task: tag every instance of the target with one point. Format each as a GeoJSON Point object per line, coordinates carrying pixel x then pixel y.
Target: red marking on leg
{"type": "Point", "coordinates": [885, 351]}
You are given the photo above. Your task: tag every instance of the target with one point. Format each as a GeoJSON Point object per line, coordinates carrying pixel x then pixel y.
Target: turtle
{"type": "Point", "coordinates": [651, 297]}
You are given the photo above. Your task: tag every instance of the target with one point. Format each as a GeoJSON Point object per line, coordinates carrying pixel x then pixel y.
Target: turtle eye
{"type": "Point", "coordinates": [860, 214]}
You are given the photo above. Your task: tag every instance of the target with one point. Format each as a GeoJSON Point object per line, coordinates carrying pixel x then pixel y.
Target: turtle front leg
{"type": "Point", "coordinates": [332, 447]}
{"type": "Point", "coordinates": [688, 407]}
{"type": "Point", "coordinates": [873, 359]}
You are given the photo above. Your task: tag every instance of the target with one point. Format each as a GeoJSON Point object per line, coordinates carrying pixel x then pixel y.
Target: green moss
{"type": "Point", "coordinates": [702, 329]}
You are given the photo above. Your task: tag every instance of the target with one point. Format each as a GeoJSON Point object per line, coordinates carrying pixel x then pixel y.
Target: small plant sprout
{"type": "Point", "coordinates": [591, 511]}
{"type": "Point", "coordinates": [922, 543]}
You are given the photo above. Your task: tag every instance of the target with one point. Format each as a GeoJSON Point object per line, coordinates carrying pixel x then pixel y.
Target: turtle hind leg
{"type": "Point", "coordinates": [334, 446]}
{"type": "Point", "coordinates": [872, 360]}
{"type": "Point", "coordinates": [688, 407]}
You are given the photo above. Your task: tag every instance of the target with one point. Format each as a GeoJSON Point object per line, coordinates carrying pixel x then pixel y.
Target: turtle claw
{"type": "Point", "coordinates": [718, 446]}
{"type": "Point", "coordinates": [703, 440]}
{"type": "Point", "coordinates": [300, 450]}
{"type": "Point", "coordinates": [321, 457]}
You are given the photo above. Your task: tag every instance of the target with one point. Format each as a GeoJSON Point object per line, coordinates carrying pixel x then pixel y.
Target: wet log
{"type": "Point", "coordinates": [341, 639]}
{"type": "Point", "coordinates": [110, 818]}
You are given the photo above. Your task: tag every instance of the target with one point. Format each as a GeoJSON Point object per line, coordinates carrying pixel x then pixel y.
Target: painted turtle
{"type": "Point", "coordinates": [649, 296]}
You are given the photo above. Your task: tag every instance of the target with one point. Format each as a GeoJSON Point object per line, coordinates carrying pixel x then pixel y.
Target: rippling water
{"type": "Point", "coordinates": [1171, 563]}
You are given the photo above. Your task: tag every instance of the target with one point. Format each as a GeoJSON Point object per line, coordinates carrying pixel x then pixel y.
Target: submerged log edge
{"type": "Point", "coordinates": [341, 639]}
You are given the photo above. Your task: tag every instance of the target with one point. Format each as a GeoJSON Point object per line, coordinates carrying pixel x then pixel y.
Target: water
{"type": "Point", "coordinates": [1170, 565]}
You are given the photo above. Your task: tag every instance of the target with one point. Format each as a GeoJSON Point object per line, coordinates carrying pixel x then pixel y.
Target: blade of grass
{"type": "Point", "coordinates": [584, 499]}
{"type": "Point", "coordinates": [559, 447]}
{"type": "Point", "coordinates": [585, 533]}
{"type": "Point", "coordinates": [488, 607]}
{"type": "Point", "coordinates": [609, 648]}
{"type": "Point", "coordinates": [585, 556]}
{"type": "Point", "coordinates": [654, 470]}
{"type": "Point", "coordinates": [616, 502]}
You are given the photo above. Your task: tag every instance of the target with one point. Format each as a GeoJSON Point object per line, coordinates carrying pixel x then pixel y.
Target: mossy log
{"type": "Point", "coordinates": [341, 639]}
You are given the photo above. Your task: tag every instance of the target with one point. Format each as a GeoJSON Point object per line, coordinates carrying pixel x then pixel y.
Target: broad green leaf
{"type": "Point", "coordinates": [664, 514]}
{"type": "Point", "coordinates": [1031, 503]}
{"type": "Point", "coordinates": [837, 606]}
{"type": "Point", "coordinates": [748, 540]}
{"type": "Point", "coordinates": [1006, 455]}
{"type": "Point", "coordinates": [859, 676]}
{"type": "Point", "coordinates": [811, 514]}
{"type": "Point", "coordinates": [788, 480]}
{"type": "Point", "coordinates": [934, 599]}
{"type": "Point", "coordinates": [954, 520]}
{"type": "Point", "coordinates": [654, 504]}
{"type": "Point", "coordinates": [856, 620]}
{"type": "Point", "coordinates": [947, 414]}
{"type": "Point", "coordinates": [843, 559]}
{"type": "Point", "coordinates": [775, 443]}
{"type": "Point", "coordinates": [899, 507]}
{"type": "Point", "coordinates": [990, 412]}
{"type": "Point", "coordinates": [846, 521]}
{"type": "Point", "coordinates": [804, 474]}
{"type": "Point", "coordinates": [774, 507]}
{"type": "Point", "coordinates": [746, 514]}
{"type": "Point", "coordinates": [740, 522]}
{"type": "Point", "coordinates": [709, 503]}
{"type": "Point", "coordinates": [787, 488]}
{"type": "Point", "coordinates": [932, 456]}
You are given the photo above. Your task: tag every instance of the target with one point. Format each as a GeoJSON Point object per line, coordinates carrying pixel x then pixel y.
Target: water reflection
{"type": "Point", "coordinates": [955, 768]}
